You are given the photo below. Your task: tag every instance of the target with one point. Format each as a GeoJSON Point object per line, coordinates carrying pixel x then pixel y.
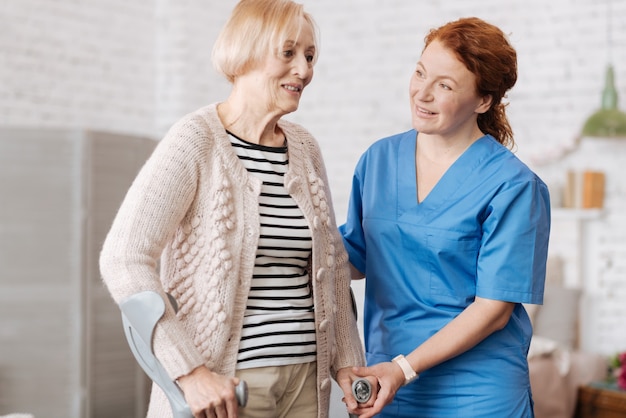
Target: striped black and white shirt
{"type": "Point", "coordinates": [279, 323]}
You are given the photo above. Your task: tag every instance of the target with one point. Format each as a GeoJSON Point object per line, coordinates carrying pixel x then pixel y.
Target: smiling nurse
{"type": "Point", "coordinates": [451, 231]}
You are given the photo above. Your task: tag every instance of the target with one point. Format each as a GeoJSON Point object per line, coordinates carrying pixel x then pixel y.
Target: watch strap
{"type": "Point", "coordinates": [409, 374]}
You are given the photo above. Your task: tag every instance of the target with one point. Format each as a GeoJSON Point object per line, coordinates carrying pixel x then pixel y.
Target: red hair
{"type": "Point", "coordinates": [487, 53]}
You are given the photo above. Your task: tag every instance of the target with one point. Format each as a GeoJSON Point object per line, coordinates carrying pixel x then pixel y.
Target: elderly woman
{"type": "Point", "coordinates": [235, 203]}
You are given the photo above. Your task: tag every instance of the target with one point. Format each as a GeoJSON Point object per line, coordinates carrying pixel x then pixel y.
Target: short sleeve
{"type": "Point", "coordinates": [352, 231]}
{"type": "Point", "coordinates": [514, 246]}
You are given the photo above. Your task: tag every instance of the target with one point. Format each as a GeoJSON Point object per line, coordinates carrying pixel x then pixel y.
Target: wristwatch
{"type": "Point", "coordinates": [409, 374]}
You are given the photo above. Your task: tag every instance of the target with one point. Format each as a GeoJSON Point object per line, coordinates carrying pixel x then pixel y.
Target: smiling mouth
{"type": "Point", "coordinates": [292, 88]}
{"type": "Point", "coordinates": [424, 111]}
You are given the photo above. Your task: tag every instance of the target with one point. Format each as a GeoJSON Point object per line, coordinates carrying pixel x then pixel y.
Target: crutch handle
{"type": "Point", "coordinates": [140, 314]}
{"type": "Point", "coordinates": [362, 392]}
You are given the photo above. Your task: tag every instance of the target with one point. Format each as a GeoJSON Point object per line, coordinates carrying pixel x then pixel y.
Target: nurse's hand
{"type": "Point", "coordinates": [390, 378]}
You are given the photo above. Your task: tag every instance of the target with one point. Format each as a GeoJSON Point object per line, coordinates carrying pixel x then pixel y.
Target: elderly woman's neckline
{"type": "Point", "coordinates": [253, 129]}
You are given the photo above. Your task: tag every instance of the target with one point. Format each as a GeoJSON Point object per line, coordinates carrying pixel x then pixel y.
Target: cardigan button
{"type": "Point", "coordinates": [316, 222]}
{"type": "Point", "coordinates": [325, 384]}
{"type": "Point", "coordinates": [320, 274]}
{"type": "Point", "coordinates": [291, 186]}
{"type": "Point", "coordinates": [324, 325]}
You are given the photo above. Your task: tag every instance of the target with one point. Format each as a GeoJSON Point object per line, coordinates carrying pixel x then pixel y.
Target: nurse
{"type": "Point", "coordinates": [451, 231]}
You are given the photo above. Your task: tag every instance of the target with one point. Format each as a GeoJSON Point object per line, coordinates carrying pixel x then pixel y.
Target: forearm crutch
{"type": "Point", "coordinates": [361, 388]}
{"type": "Point", "coordinates": [140, 314]}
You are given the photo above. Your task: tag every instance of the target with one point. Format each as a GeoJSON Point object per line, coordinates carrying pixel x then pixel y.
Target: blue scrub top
{"type": "Point", "coordinates": [482, 231]}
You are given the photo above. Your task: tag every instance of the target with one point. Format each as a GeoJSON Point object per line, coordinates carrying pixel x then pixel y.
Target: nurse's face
{"type": "Point", "coordinates": [443, 94]}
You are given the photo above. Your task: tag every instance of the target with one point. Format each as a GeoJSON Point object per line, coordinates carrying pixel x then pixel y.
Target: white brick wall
{"type": "Point", "coordinates": [594, 248]}
{"type": "Point", "coordinates": [185, 80]}
{"type": "Point", "coordinates": [77, 64]}
{"type": "Point", "coordinates": [136, 67]}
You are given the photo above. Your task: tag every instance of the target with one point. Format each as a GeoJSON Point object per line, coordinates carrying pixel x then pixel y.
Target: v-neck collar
{"type": "Point", "coordinates": [449, 183]}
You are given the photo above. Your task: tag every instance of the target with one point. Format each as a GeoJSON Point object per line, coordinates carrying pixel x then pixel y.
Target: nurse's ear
{"type": "Point", "coordinates": [484, 104]}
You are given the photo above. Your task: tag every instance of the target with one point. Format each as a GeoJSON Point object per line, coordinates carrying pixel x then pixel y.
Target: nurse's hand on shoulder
{"type": "Point", "coordinates": [209, 394]}
{"type": "Point", "coordinates": [390, 378]}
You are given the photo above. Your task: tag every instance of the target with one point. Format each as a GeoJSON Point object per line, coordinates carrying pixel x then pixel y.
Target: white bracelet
{"type": "Point", "coordinates": [409, 374]}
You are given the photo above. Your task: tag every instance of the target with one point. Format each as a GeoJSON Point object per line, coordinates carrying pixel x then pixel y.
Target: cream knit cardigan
{"type": "Point", "coordinates": [195, 207]}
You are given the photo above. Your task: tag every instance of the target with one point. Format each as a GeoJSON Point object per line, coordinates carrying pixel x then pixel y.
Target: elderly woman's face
{"type": "Point", "coordinates": [280, 79]}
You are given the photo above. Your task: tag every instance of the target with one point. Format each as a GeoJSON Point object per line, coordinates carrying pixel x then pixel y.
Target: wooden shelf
{"type": "Point", "coordinates": [577, 214]}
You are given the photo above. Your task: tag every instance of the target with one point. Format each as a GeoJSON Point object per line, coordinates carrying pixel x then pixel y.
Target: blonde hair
{"type": "Point", "coordinates": [255, 29]}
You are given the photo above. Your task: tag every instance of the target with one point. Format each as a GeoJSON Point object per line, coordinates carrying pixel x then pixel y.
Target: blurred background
{"type": "Point", "coordinates": [87, 87]}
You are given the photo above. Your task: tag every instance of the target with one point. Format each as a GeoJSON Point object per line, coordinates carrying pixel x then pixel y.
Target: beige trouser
{"type": "Point", "coordinates": [280, 392]}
